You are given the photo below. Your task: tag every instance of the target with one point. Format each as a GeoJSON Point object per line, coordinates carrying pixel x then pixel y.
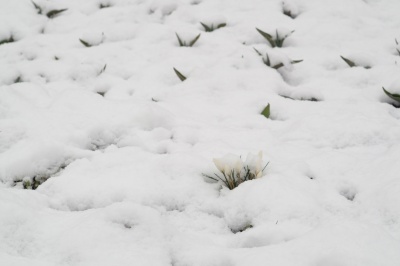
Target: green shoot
{"type": "Point", "coordinates": [184, 43]}
{"type": "Point", "coordinates": [267, 61]}
{"type": "Point", "coordinates": [211, 28]}
{"type": "Point", "coordinates": [351, 63]}
{"type": "Point", "coordinates": [180, 75]}
{"type": "Point", "coordinates": [54, 13]}
{"type": "Point", "coordinates": [267, 111]}
{"type": "Point", "coordinates": [393, 96]}
{"type": "Point", "coordinates": [274, 42]}
{"type": "Point", "coordinates": [38, 8]}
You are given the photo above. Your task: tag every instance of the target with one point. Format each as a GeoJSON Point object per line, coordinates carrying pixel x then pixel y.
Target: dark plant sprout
{"type": "Point", "coordinates": [393, 96]}
{"type": "Point", "coordinates": [266, 111]}
{"type": "Point", "coordinates": [277, 42]}
{"type": "Point", "coordinates": [211, 28]}
{"type": "Point", "coordinates": [180, 75]}
{"type": "Point", "coordinates": [54, 13]}
{"type": "Point", "coordinates": [184, 43]}
{"type": "Point", "coordinates": [267, 61]}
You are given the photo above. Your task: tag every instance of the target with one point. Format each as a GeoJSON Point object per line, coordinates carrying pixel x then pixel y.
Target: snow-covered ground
{"type": "Point", "coordinates": [90, 104]}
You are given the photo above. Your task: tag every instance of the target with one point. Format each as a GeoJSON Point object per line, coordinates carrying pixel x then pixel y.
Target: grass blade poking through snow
{"type": "Point", "coordinates": [393, 96]}
{"type": "Point", "coordinates": [180, 75]}
{"type": "Point", "coordinates": [53, 13]}
{"type": "Point", "coordinates": [38, 8]}
{"type": "Point", "coordinates": [348, 61]}
{"type": "Point", "coordinates": [275, 42]}
{"type": "Point", "coordinates": [267, 111]}
{"type": "Point", "coordinates": [211, 28]}
{"type": "Point", "coordinates": [183, 43]}
{"type": "Point", "coordinates": [86, 44]}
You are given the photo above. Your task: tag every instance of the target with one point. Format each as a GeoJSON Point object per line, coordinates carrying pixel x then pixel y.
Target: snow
{"type": "Point", "coordinates": [120, 144]}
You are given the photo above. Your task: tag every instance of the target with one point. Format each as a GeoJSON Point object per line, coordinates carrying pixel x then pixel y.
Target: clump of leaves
{"type": "Point", "coordinates": [266, 111]}
{"type": "Point", "coordinates": [33, 183]}
{"type": "Point", "coordinates": [276, 41]}
{"type": "Point", "coordinates": [267, 61]}
{"type": "Point", "coordinates": [234, 171]}
{"type": "Point", "coordinates": [211, 28]}
{"type": "Point", "coordinates": [352, 63]}
{"type": "Point", "coordinates": [183, 43]}
{"type": "Point", "coordinates": [393, 96]}
{"type": "Point", "coordinates": [180, 75]}
{"type": "Point", "coordinates": [7, 40]}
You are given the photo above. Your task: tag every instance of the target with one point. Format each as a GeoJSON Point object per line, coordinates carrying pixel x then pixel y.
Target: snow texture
{"type": "Point", "coordinates": [116, 144]}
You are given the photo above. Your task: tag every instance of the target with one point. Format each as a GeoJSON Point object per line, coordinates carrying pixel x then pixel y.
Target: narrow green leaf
{"type": "Point", "coordinates": [181, 43]}
{"type": "Point", "coordinates": [38, 8]}
{"type": "Point", "coordinates": [53, 13]}
{"type": "Point", "coordinates": [206, 27]}
{"type": "Point", "coordinates": [103, 69]}
{"type": "Point", "coordinates": [18, 80]}
{"type": "Point", "coordinates": [398, 51]}
{"type": "Point", "coordinates": [266, 112]}
{"type": "Point", "coordinates": [267, 37]}
{"type": "Point", "coordinates": [267, 61]}
{"type": "Point", "coordinates": [277, 66]}
{"type": "Point", "coordinates": [194, 40]}
{"type": "Point", "coordinates": [393, 96]}
{"type": "Point", "coordinates": [257, 51]}
{"type": "Point", "coordinates": [296, 61]}
{"type": "Point", "coordinates": [180, 75]}
{"type": "Point", "coordinates": [349, 62]}
{"type": "Point", "coordinates": [11, 39]}
{"type": "Point", "coordinates": [221, 25]}
{"type": "Point", "coordinates": [85, 43]}
{"type": "Point", "coordinates": [396, 41]}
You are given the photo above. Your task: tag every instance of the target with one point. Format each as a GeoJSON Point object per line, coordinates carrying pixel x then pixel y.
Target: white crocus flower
{"type": "Point", "coordinates": [228, 163]}
{"type": "Point", "coordinates": [255, 163]}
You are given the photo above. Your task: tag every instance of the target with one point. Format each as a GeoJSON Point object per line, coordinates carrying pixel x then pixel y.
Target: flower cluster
{"type": "Point", "coordinates": [236, 171]}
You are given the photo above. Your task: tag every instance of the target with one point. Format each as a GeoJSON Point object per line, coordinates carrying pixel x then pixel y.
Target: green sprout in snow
{"type": "Point", "coordinates": [183, 43]}
{"type": "Point", "coordinates": [180, 75]}
{"type": "Point", "coordinates": [267, 61]}
{"type": "Point", "coordinates": [211, 28]}
{"type": "Point", "coordinates": [276, 41]}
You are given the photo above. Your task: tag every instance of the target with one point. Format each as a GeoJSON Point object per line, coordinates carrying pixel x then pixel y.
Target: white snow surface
{"type": "Point", "coordinates": [123, 143]}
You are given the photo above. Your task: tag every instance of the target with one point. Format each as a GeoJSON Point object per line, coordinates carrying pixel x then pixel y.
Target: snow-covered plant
{"type": "Point", "coordinates": [266, 111]}
{"type": "Point", "coordinates": [50, 14]}
{"type": "Point", "coordinates": [289, 9]}
{"type": "Point", "coordinates": [92, 39]}
{"type": "Point", "coordinates": [276, 41]}
{"type": "Point", "coordinates": [183, 43]}
{"type": "Point", "coordinates": [180, 75]}
{"type": "Point", "coordinates": [397, 43]}
{"type": "Point", "coordinates": [101, 6]}
{"type": "Point", "coordinates": [267, 60]}
{"type": "Point", "coordinates": [393, 96]}
{"type": "Point", "coordinates": [211, 28]}
{"type": "Point", "coordinates": [352, 63]}
{"type": "Point", "coordinates": [7, 40]}
{"type": "Point", "coordinates": [234, 171]}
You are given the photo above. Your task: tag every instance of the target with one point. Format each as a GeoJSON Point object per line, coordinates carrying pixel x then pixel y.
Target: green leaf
{"type": "Point", "coordinates": [85, 43]}
{"type": "Point", "coordinates": [181, 43]}
{"type": "Point", "coordinates": [11, 39]}
{"type": "Point", "coordinates": [396, 41]}
{"type": "Point", "coordinates": [206, 27]}
{"type": "Point", "coordinates": [38, 8]}
{"type": "Point", "coordinates": [393, 96]}
{"type": "Point", "coordinates": [277, 66]}
{"type": "Point", "coordinates": [266, 112]}
{"type": "Point", "coordinates": [267, 61]}
{"type": "Point", "coordinates": [257, 51]}
{"type": "Point", "coordinates": [398, 51]}
{"type": "Point", "coordinates": [296, 61]}
{"type": "Point", "coordinates": [53, 13]}
{"type": "Point", "coordinates": [349, 62]}
{"type": "Point", "coordinates": [267, 37]}
{"type": "Point", "coordinates": [180, 75]}
{"type": "Point", "coordinates": [194, 40]}
{"type": "Point", "coordinates": [103, 69]}
{"type": "Point", "coordinates": [221, 25]}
